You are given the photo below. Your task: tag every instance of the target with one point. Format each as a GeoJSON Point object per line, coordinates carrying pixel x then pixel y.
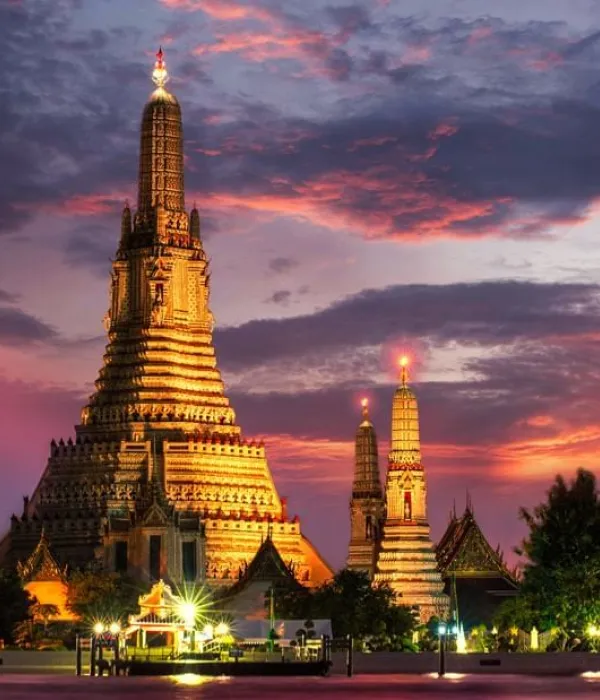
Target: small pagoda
{"type": "Point", "coordinates": [475, 574]}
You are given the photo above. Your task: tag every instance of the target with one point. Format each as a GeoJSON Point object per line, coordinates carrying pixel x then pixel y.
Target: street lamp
{"type": "Point", "coordinates": [442, 630]}
{"type": "Point", "coordinates": [98, 628]}
{"type": "Point", "coordinates": [114, 628]}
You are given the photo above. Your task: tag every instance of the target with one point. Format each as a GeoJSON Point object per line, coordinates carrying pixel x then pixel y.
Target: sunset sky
{"type": "Point", "coordinates": [373, 178]}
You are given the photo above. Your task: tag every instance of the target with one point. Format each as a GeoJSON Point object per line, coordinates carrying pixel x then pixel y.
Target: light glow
{"type": "Point", "coordinates": [115, 628]}
{"type": "Point", "coordinates": [364, 402]}
{"type": "Point", "coordinates": [98, 628]}
{"type": "Point", "coordinates": [191, 679]}
{"type": "Point", "coordinates": [404, 361]}
{"type": "Point", "coordinates": [221, 629]}
{"type": "Point", "coordinates": [188, 612]}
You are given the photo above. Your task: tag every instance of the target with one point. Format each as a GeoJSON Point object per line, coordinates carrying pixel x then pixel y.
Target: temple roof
{"type": "Point", "coordinates": [267, 566]}
{"type": "Point", "coordinates": [41, 565]}
{"type": "Point", "coordinates": [463, 551]}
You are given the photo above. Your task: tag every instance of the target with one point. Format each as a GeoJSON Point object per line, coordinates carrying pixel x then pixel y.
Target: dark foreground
{"type": "Point", "coordinates": [22, 687]}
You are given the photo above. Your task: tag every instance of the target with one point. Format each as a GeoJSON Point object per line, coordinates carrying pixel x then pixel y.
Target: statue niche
{"type": "Point", "coordinates": [158, 305]}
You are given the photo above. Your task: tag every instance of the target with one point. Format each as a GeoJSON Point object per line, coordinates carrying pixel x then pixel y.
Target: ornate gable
{"type": "Point", "coordinates": [464, 551]}
{"type": "Point", "coordinates": [267, 565]}
{"type": "Point", "coordinates": [155, 516]}
{"type": "Point", "coordinates": [41, 565]}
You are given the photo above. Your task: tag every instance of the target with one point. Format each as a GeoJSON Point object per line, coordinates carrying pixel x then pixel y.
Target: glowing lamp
{"type": "Point", "coordinates": [114, 628]}
{"type": "Point", "coordinates": [98, 628]}
{"type": "Point", "coordinates": [188, 612]}
{"type": "Point", "coordinates": [404, 361]}
{"type": "Point", "coordinates": [364, 402]}
{"type": "Point", "coordinates": [442, 629]}
{"type": "Point", "coordinates": [221, 629]}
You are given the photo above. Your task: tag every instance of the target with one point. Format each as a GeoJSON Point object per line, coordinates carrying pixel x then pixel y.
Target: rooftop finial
{"type": "Point", "coordinates": [159, 74]}
{"type": "Point", "coordinates": [404, 362]}
{"type": "Point", "coordinates": [365, 408]}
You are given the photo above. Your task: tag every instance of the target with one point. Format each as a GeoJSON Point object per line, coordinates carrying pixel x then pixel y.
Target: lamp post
{"type": "Point", "coordinates": [442, 629]}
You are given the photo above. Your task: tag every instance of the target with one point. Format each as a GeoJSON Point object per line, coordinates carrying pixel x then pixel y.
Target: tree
{"type": "Point", "coordinates": [354, 606]}
{"type": "Point", "coordinates": [561, 579]}
{"type": "Point", "coordinates": [42, 612]}
{"type": "Point", "coordinates": [15, 602]}
{"type": "Point", "coordinates": [101, 595]}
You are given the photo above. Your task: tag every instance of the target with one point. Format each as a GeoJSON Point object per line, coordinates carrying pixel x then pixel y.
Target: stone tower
{"type": "Point", "coordinates": [407, 560]}
{"type": "Point", "coordinates": [367, 503]}
{"type": "Point", "coordinates": [158, 482]}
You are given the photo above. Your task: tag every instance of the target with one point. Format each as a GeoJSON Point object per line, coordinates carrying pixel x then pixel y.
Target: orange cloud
{"type": "Point", "coordinates": [86, 204]}
{"type": "Point", "coordinates": [260, 46]}
{"type": "Point", "coordinates": [478, 35]}
{"type": "Point", "coordinates": [329, 201]}
{"type": "Point", "coordinates": [220, 9]}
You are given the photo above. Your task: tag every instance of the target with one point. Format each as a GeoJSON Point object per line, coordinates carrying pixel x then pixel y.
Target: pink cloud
{"type": "Point", "coordinates": [220, 9]}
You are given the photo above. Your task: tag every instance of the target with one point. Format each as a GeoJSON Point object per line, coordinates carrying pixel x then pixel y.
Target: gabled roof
{"type": "Point", "coordinates": [267, 565]}
{"type": "Point", "coordinates": [41, 565]}
{"type": "Point", "coordinates": [463, 551]}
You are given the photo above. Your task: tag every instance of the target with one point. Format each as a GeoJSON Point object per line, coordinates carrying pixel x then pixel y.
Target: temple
{"type": "Point", "coordinates": [406, 559]}
{"type": "Point", "coordinates": [46, 580]}
{"type": "Point", "coordinates": [159, 483]}
{"type": "Point", "coordinates": [475, 575]}
{"type": "Point", "coordinates": [367, 506]}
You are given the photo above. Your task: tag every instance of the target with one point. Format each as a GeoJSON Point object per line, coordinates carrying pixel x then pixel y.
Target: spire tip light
{"type": "Point", "coordinates": [159, 74]}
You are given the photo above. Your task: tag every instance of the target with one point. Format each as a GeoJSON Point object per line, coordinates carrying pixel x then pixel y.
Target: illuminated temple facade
{"type": "Point", "coordinates": [158, 482]}
{"type": "Point", "coordinates": [405, 555]}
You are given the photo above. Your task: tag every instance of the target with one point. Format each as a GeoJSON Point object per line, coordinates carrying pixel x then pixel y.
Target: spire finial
{"type": "Point", "coordinates": [365, 408]}
{"type": "Point", "coordinates": [159, 74]}
{"type": "Point", "coordinates": [404, 362]}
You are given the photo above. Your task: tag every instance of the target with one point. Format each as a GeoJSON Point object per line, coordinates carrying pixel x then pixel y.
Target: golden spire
{"type": "Point", "coordinates": [366, 461]}
{"type": "Point", "coordinates": [160, 180]}
{"type": "Point", "coordinates": [406, 443]}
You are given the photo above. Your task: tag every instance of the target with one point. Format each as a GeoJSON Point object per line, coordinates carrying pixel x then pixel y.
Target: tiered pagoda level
{"type": "Point", "coordinates": [407, 560]}
{"type": "Point", "coordinates": [159, 482]}
{"type": "Point", "coordinates": [367, 507]}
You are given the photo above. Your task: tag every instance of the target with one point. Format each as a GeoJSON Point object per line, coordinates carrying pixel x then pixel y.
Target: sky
{"type": "Point", "coordinates": [374, 177]}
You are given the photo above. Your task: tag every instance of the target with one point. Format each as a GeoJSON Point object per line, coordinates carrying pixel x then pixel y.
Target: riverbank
{"type": "Point", "coordinates": [551, 664]}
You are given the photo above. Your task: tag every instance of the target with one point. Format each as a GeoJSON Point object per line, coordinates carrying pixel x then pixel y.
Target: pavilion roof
{"type": "Point", "coordinates": [463, 551]}
{"type": "Point", "coordinates": [41, 564]}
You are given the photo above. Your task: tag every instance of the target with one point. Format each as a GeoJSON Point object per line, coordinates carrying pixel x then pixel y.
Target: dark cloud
{"type": "Point", "coordinates": [282, 264]}
{"type": "Point", "coordinates": [281, 296]}
{"type": "Point", "coordinates": [479, 314]}
{"type": "Point", "coordinates": [7, 297]}
{"type": "Point", "coordinates": [18, 328]}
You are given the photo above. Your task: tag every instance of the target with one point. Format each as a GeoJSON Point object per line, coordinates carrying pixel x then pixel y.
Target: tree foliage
{"type": "Point", "coordinates": [15, 602]}
{"type": "Point", "coordinates": [101, 595]}
{"type": "Point", "coordinates": [561, 579]}
{"type": "Point", "coordinates": [354, 606]}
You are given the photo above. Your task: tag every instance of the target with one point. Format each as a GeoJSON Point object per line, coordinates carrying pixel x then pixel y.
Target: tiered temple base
{"type": "Point", "coordinates": [407, 563]}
